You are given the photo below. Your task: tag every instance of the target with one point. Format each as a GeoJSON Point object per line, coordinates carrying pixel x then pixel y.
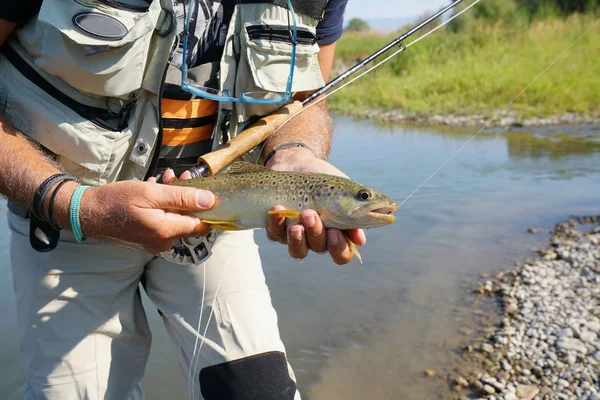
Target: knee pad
{"type": "Point", "coordinates": [261, 377]}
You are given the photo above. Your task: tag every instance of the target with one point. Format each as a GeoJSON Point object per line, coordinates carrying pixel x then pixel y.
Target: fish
{"type": "Point", "coordinates": [246, 193]}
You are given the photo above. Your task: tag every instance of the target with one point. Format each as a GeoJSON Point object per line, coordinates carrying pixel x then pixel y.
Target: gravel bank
{"type": "Point", "coordinates": [548, 345]}
{"type": "Point", "coordinates": [506, 120]}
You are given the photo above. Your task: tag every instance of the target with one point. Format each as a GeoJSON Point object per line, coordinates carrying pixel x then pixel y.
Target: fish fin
{"type": "Point", "coordinates": [223, 225]}
{"type": "Point", "coordinates": [285, 213]}
{"type": "Point", "coordinates": [353, 248]}
{"type": "Point", "coordinates": [243, 167]}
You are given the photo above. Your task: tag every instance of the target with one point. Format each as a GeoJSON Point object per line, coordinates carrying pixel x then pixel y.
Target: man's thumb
{"type": "Point", "coordinates": [181, 198]}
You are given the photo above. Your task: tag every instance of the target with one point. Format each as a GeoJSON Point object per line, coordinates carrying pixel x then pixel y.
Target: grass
{"type": "Point", "coordinates": [479, 70]}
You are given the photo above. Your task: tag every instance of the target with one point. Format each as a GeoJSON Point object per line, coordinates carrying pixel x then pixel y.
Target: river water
{"type": "Point", "coordinates": [369, 330]}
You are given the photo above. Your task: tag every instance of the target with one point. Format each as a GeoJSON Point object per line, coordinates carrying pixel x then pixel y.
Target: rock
{"type": "Point", "coordinates": [511, 309]}
{"type": "Point", "coordinates": [488, 389]}
{"type": "Point", "coordinates": [571, 359]}
{"type": "Point", "coordinates": [460, 381]}
{"type": "Point", "coordinates": [487, 348]}
{"type": "Point", "coordinates": [589, 337]}
{"type": "Point", "coordinates": [532, 230]}
{"type": "Point", "coordinates": [567, 332]}
{"type": "Point", "coordinates": [567, 343]}
{"type": "Point", "coordinates": [430, 373]}
{"type": "Point", "coordinates": [506, 366]}
{"type": "Point", "coordinates": [527, 392]}
{"type": "Point", "coordinates": [510, 396]}
{"type": "Point", "coordinates": [593, 326]}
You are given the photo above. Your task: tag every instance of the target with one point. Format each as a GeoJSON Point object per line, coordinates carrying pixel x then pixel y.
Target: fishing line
{"type": "Point", "coordinates": [193, 364]}
{"type": "Point", "coordinates": [499, 113]}
{"type": "Point", "coordinates": [402, 48]}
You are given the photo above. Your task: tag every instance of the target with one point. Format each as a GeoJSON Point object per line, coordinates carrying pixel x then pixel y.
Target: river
{"type": "Point", "coordinates": [369, 330]}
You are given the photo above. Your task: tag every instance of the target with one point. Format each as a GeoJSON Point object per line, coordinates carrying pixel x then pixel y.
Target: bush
{"type": "Point", "coordinates": [357, 25]}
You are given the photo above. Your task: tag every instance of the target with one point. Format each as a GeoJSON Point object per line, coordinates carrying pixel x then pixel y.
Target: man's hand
{"type": "Point", "coordinates": [139, 215]}
{"type": "Point", "coordinates": [308, 233]}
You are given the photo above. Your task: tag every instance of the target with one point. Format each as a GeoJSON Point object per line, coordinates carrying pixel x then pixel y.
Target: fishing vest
{"type": "Point", "coordinates": [86, 79]}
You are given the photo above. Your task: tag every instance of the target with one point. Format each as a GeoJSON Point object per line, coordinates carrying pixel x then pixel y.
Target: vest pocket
{"type": "Point", "coordinates": [87, 145]}
{"type": "Point", "coordinates": [98, 47]}
{"type": "Point", "coordinates": [267, 48]}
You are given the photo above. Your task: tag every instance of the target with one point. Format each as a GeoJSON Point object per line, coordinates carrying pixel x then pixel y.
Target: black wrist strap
{"type": "Point", "coordinates": [286, 145]}
{"type": "Point", "coordinates": [53, 197]}
{"type": "Point", "coordinates": [42, 191]}
{"type": "Point", "coordinates": [43, 235]}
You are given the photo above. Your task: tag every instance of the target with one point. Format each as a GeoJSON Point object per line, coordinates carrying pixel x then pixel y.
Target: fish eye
{"type": "Point", "coordinates": [364, 194]}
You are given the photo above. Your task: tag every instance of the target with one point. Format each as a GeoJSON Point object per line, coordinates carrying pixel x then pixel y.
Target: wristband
{"type": "Point", "coordinates": [53, 197]}
{"type": "Point", "coordinates": [42, 191]}
{"type": "Point", "coordinates": [74, 212]}
{"type": "Point", "coordinates": [285, 146]}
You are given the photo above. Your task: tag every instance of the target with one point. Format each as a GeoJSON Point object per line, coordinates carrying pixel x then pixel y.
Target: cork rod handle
{"type": "Point", "coordinates": [248, 139]}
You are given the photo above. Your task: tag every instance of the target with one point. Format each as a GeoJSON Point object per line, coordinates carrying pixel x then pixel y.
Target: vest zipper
{"type": "Point", "coordinates": [281, 33]}
{"type": "Point", "coordinates": [159, 137]}
{"type": "Point", "coordinates": [98, 116]}
{"type": "Point", "coordinates": [124, 6]}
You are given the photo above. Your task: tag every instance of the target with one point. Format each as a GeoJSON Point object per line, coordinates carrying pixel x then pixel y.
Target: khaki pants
{"type": "Point", "coordinates": [84, 333]}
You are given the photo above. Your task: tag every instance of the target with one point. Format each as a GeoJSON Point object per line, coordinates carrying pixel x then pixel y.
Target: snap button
{"type": "Point", "coordinates": [142, 148]}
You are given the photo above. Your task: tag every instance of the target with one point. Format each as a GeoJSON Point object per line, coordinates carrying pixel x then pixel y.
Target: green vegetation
{"type": "Point", "coordinates": [479, 63]}
{"type": "Point", "coordinates": [357, 25]}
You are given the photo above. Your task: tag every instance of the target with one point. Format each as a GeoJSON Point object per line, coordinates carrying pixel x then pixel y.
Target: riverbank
{"type": "Point", "coordinates": [495, 119]}
{"type": "Point", "coordinates": [465, 78]}
{"type": "Point", "coordinates": [547, 345]}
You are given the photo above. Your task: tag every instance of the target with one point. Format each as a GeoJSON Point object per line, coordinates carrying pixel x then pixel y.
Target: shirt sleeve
{"type": "Point", "coordinates": [331, 27]}
{"type": "Point", "coordinates": [19, 11]}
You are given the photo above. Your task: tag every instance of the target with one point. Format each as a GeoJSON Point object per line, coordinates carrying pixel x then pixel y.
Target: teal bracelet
{"type": "Point", "coordinates": [74, 212]}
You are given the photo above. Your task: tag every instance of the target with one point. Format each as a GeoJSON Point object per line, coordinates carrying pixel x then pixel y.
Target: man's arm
{"type": "Point", "coordinates": [132, 214]}
{"type": "Point", "coordinates": [314, 128]}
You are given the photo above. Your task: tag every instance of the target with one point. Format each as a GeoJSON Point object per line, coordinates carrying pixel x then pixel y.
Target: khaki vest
{"type": "Point", "coordinates": [95, 101]}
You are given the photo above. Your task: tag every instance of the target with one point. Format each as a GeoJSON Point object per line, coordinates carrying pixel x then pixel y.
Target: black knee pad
{"type": "Point", "coordinates": [260, 377]}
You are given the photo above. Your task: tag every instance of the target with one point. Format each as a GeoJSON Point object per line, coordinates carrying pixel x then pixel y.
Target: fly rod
{"type": "Point", "coordinates": [213, 162]}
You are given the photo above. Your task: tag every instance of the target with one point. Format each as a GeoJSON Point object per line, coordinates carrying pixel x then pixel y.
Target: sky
{"type": "Point", "coordinates": [369, 9]}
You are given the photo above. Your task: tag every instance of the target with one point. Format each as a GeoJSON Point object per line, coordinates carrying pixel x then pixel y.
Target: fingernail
{"type": "Point", "coordinates": [332, 238]}
{"type": "Point", "coordinates": [309, 220]}
{"type": "Point", "coordinates": [205, 199]}
{"type": "Point", "coordinates": [296, 234]}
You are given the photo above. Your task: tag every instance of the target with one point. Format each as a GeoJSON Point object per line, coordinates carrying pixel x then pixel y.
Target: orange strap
{"type": "Point", "coordinates": [179, 137]}
{"type": "Point", "coordinates": [184, 110]}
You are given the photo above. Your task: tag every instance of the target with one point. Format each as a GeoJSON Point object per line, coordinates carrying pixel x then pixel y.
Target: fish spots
{"type": "Point", "coordinates": [253, 185]}
{"type": "Point", "coordinates": [232, 188]}
{"type": "Point", "coordinates": [244, 193]}
{"type": "Point", "coordinates": [305, 199]}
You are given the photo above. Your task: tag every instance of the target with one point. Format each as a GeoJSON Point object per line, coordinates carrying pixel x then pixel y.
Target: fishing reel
{"type": "Point", "coordinates": [193, 250]}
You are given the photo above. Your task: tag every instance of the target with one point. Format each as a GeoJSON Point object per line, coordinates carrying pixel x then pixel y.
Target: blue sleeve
{"type": "Point", "coordinates": [331, 27]}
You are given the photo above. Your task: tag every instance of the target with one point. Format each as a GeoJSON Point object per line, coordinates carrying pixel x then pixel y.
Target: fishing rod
{"type": "Point", "coordinates": [213, 162]}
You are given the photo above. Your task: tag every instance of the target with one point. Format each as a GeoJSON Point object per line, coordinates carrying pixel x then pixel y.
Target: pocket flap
{"type": "Point", "coordinates": [269, 53]}
{"type": "Point", "coordinates": [97, 26]}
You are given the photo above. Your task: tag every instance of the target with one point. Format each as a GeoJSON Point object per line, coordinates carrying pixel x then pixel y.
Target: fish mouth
{"type": "Point", "coordinates": [384, 213]}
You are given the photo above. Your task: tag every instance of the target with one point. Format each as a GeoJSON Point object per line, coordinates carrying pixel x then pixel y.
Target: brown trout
{"type": "Point", "coordinates": [247, 192]}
